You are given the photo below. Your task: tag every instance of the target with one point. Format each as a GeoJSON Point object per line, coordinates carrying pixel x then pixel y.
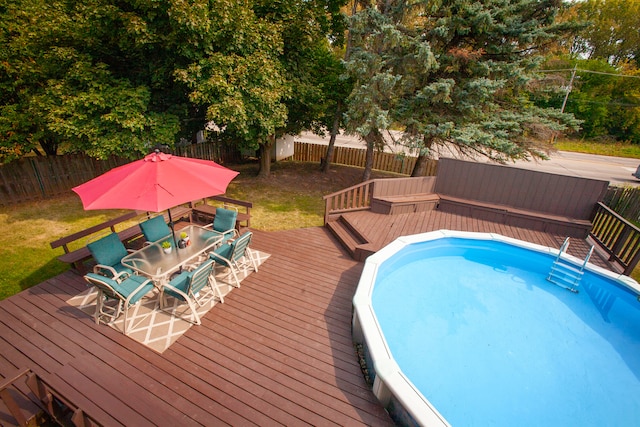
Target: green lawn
{"type": "Point", "coordinates": [291, 198]}
{"type": "Point", "coordinates": [606, 149]}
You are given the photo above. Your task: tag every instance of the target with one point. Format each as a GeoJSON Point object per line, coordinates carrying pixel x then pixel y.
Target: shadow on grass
{"type": "Point", "coordinates": [51, 269]}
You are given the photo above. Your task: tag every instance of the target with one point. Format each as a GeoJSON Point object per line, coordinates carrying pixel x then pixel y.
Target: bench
{"type": "Point", "coordinates": [509, 215]}
{"type": "Point", "coordinates": [128, 236]}
{"type": "Point", "coordinates": [203, 212]}
{"type": "Point", "coordinates": [77, 257]}
{"type": "Point", "coordinates": [406, 203]}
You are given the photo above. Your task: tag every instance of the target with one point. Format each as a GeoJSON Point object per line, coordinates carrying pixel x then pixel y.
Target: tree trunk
{"type": "Point", "coordinates": [265, 156]}
{"type": "Point", "coordinates": [420, 168]}
{"type": "Point", "coordinates": [49, 146]}
{"type": "Point", "coordinates": [328, 158]}
{"type": "Point", "coordinates": [370, 139]}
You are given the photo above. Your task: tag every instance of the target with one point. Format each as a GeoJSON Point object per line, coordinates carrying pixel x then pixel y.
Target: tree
{"type": "Point", "coordinates": [613, 33]}
{"type": "Point", "coordinates": [453, 73]}
{"type": "Point", "coordinates": [311, 31]}
{"type": "Point", "coordinates": [67, 77]}
{"type": "Point", "coordinates": [264, 76]}
{"type": "Point", "coordinates": [237, 78]}
{"type": "Point", "coordinates": [605, 98]}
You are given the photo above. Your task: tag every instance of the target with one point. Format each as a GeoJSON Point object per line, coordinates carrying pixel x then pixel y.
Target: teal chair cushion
{"type": "Point", "coordinates": [224, 251]}
{"type": "Point", "coordinates": [225, 219]}
{"type": "Point", "coordinates": [108, 250]}
{"type": "Point", "coordinates": [155, 229]}
{"type": "Point", "coordinates": [180, 282]}
{"type": "Point", "coordinates": [126, 287]}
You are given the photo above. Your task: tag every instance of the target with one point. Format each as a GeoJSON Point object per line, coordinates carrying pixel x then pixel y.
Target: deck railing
{"type": "Point", "coordinates": [354, 198]}
{"type": "Point", "coordinates": [617, 236]}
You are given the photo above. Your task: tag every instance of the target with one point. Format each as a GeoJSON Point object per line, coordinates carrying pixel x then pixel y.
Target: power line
{"type": "Point", "coordinates": [589, 71]}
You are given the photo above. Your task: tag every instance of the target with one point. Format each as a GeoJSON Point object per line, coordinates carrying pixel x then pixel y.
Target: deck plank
{"type": "Point", "coordinates": [277, 352]}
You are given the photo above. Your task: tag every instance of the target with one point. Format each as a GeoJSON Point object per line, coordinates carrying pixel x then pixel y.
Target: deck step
{"type": "Point", "coordinates": [351, 238]}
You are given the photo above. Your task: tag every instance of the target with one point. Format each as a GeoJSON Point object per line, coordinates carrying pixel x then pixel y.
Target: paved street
{"type": "Point", "coordinates": [616, 170]}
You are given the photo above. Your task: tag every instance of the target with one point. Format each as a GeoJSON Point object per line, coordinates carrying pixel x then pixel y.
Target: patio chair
{"type": "Point", "coordinates": [154, 229]}
{"type": "Point", "coordinates": [108, 251]}
{"type": "Point", "coordinates": [125, 294]}
{"type": "Point", "coordinates": [235, 255]}
{"type": "Point", "coordinates": [224, 223]}
{"type": "Point", "coordinates": [188, 287]}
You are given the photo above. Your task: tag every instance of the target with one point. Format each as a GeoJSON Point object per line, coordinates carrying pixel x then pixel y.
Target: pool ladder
{"type": "Point", "coordinates": [565, 274]}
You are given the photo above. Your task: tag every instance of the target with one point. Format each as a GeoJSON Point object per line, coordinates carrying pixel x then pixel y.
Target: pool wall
{"type": "Point", "coordinates": [404, 402]}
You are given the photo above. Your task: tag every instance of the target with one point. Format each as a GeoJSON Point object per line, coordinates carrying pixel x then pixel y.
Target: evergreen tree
{"type": "Point", "coordinates": [453, 73]}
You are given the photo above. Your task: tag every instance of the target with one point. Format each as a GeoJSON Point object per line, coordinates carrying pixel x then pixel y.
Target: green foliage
{"type": "Point", "coordinates": [455, 73]}
{"type": "Point", "coordinates": [110, 77]}
{"type": "Point", "coordinates": [613, 33]}
{"type": "Point", "coordinates": [67, 76]}
{"type": "Point", "coordinates": [605, 98]}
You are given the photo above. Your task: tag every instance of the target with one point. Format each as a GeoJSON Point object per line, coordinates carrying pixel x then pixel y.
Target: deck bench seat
{"type": "Point", "coordinates": [78, 256]}
{"type": "Point", "coordinates": [541, 221]}
{"type": "Point", "coordinates": [406, 203]}
{"type": "Point", "coordinates": [205, 212]}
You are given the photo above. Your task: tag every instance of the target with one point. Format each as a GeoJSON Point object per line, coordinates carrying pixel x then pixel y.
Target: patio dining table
{"type": "Point", "coordinates": [153, 262]}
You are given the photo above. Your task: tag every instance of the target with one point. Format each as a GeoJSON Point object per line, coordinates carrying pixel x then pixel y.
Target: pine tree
{"type": "Point", "coordinates": [454, 73]}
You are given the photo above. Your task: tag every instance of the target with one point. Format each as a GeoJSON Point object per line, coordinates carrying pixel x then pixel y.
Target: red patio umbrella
{"type": "Point", "coordinates": [156, 183]}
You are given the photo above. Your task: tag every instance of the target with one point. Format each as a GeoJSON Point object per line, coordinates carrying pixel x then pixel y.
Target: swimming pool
{"type": "Point", "coordinates": [463, 328]}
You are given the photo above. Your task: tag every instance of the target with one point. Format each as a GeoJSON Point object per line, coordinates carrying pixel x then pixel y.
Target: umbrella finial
{"type": "Point", "coordinates": [157, 156]}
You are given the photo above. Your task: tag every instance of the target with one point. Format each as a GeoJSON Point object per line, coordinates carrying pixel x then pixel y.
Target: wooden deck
{"type": "Point", "coordinates": [277, 352]}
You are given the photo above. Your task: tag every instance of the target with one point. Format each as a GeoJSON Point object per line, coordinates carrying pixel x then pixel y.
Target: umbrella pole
{"type": "Point", "coordinates": [173, 230]}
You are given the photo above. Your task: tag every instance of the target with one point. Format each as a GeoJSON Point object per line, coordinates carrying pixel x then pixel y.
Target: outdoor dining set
{"type": "Point", "coordinates": [178, 264]}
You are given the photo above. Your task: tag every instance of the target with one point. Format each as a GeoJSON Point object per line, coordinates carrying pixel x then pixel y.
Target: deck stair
{"type": "Point", "coordinates": [565, 274]}
{"type": "Point", "coordinates": [352, 239]}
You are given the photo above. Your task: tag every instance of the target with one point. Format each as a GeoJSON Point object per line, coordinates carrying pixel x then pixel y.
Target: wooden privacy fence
{"type": "Point", "coordinates": [625, 201]}
{"type": "Point", "coordinates": [617, 236]}
{"type": "Point", "coordinates": [34, 178]}
{"type": "Point", "coordinates": [350, 156]}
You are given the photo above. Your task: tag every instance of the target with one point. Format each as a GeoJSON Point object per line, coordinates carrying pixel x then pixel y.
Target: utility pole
{"type": "Point", "coordinates": [566, 96]}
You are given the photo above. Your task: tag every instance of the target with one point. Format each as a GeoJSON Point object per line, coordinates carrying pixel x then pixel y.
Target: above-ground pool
{"type": "Point", "coordinates": [464, 328]}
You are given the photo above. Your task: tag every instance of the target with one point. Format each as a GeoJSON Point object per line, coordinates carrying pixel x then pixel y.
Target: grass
{"type": "Point", "coordinates": [290, 198]}
{"type": "Point", "coordinates": [617, 149]}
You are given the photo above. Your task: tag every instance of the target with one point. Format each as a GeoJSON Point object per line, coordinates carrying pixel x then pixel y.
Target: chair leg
{"type": "Point", "coordinates": [235, 276]}
{"type": "Point", "coordinates": [99, 302]}
{"type": "Point", "coordinates": [102, 309]}
{"type": "Point", "coordinates": [249, 253]}
{"type": "Point", "coordinates": [213, 283]}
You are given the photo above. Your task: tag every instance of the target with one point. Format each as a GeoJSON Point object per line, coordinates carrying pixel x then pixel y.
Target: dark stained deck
{"type": "Point", "coordinates": [277, 352]}
{"type": "Point", "coordinates": [383, 229]}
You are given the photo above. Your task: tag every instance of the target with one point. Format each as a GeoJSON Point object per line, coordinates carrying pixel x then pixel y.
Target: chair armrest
{"type": "Point", "coordinates": [118, 277]}
{"type": "Point", "coordinates": [168, 286]}
{"type": "Point", "coordinates": [135, 292]}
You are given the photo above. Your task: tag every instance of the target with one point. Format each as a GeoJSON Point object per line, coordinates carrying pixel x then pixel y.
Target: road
{"type": "Point", "coordinates": [616, 170]}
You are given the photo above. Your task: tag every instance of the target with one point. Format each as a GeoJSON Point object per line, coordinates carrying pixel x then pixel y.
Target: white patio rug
{"type": "Point", "coordinates": [158, 329]}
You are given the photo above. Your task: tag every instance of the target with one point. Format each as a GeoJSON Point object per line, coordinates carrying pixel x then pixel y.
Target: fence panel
{"type": "Point", "coordinates": [33, 178]}
{"type": "Point", "coordinates": [351, 156]}
{"type": "Point", "coordinates": [625, 201]}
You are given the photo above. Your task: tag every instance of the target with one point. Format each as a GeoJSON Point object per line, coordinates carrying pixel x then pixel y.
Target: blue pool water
{"type": "Point", "coordinates": [488, 341]}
